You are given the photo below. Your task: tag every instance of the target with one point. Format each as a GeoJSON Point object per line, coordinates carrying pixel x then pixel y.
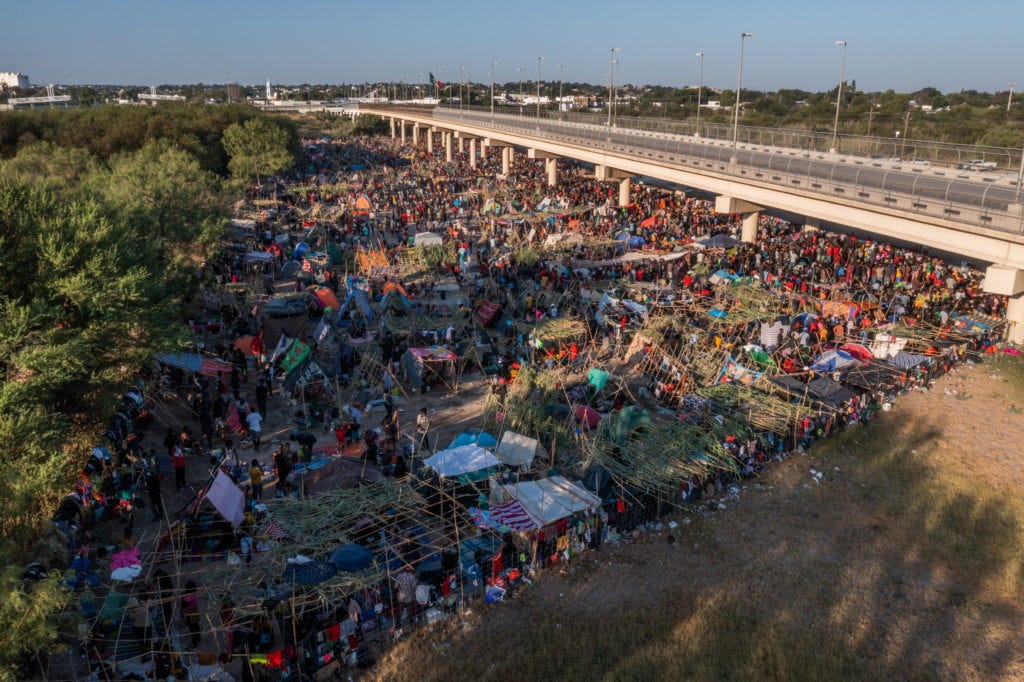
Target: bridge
{"type": "Point", "coordinates": [976, 215]}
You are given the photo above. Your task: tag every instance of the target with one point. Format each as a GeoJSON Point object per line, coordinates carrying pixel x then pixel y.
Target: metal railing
{"type": "Point", "coordinates": [966, 202]}
{"type": "Point", "coordinates": [868, 146]}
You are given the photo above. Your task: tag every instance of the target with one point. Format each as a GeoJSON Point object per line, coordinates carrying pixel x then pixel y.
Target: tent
{"type": "Point", "coordinates": [517, 450]}
{"type": "Point", "coordinates": [822, 389]}
{"type": "Point", "coordinates": [194, 362]}
{"type": "Point", "coordinates": [301, 250]}
{"type": "Point", "coordinates": [587, 416]}
{"type": "Point", "coordinates": [858, 351]}
{"type": "Point", "coordinates": [464, 459]}
{"type": "Point", "coordinates": [244, 344]}
{"type": "Point", "coordinates": [831, 360]}
{"type": "Point", "coordinates": [905, 360]}
{"type": "Point", "coordinates": [355, 297]}
{"type": "Point", "coordinates": [414, 359]}
{"type": "Point", "coordinates": [351, 558]}
{"type": "Point", "coordinates": [363, 205]}
{"type": "Point", "coordinates": [550, 499]}
{"type": "Point", "coordinates": [720, 241]}
{"type": "Point", "coordinates": [289, 306]}
{"type": "Point", "coordinates": [427, 239]}
{"type": "Point", "coordinates": [227, 498]}
{"type": "Point", "coordinates": [474, 437]}
{"type": "Point", "coordinates": [324, 298]}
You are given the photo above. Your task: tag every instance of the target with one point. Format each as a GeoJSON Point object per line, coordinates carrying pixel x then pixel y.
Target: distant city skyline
{"type": "Point", "coordinates": [905, 46]}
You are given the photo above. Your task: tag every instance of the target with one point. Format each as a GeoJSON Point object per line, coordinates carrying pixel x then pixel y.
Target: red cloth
{"type": "Point", "coordinates": [334, 632]}
{"type": "Point", "coordinates": [275, 659]}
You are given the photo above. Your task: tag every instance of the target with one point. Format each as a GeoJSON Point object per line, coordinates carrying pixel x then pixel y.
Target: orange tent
{"type": "Point", "coordinates": [650, 222]}
{"type": "Point", "coordinates": [244, 344]}
{"type": "Point", "coordinates": [326, 298]}
{"type": "Point", "coordinates": [363, 205]}
{"type": "Point", "coordinates": [394, 286]}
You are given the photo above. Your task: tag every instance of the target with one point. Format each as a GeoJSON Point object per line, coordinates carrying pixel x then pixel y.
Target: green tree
{"type": "Point", "coordinates": [257, 148]}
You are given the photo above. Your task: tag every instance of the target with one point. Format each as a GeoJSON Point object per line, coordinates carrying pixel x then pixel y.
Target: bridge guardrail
{"type": "Point", "coordinates": [988, 207]}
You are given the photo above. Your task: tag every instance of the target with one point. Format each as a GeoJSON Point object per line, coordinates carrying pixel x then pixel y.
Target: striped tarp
{"type": "Point", "coordinates": [512, 515]}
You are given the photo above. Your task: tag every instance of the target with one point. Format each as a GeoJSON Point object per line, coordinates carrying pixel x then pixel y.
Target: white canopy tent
{"type": "Point", "coordinates": [550, 499]}
{"type": "Point", "coordinates": [464, 459]}
{"type": "Point", "coordinates": [427, 239]}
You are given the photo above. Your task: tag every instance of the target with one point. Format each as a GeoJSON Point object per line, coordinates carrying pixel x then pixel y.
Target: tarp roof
{"type": "Point", "coordinates": [427, 239]}
{"type": "Point", "coordinates": [517, 450]}
{"type": "Point", "coordinates": [551, 499]}
{"type": "Point", "coordinates": [227, 498]}
{"type": "Point", "coordinates": [461, 460]}
{"type": "Point", "coordinates": [822, 389]}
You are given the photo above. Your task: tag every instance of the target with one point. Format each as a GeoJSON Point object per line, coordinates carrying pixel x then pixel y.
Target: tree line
{"type": "Point", "coordinates": [105, 218]}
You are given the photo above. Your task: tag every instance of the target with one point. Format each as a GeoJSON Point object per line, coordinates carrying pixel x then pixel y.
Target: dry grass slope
{"type": "Point", "coordinates": [905, 562]}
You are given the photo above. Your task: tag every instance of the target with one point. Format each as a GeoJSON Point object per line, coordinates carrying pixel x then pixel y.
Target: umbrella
{"type": "Point", "coordinates": [587, 416]}
{"type": "Point", "coordinates": [351, 558]}
{"type": "Point", "coordinates": [858, 351]}
{"type": "Point", "coordinates": [309, 573]}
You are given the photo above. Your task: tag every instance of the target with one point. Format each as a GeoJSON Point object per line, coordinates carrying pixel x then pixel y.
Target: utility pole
{"type": "Point", "coordinates": [1009, 99]}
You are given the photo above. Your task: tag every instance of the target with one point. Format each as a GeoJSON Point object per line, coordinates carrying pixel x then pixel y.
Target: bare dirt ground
{"type": "Point", "coordinates": [903, 562]}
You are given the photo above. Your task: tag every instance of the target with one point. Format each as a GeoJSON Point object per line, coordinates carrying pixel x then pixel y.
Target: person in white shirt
{"type": "Point", "coordinates": [255, 422]}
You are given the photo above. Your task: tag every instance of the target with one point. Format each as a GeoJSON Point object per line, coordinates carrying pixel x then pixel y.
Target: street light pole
{"type": "Point", "coordinates": [611, 71]}
{"type": "Point", "coordinates": [493, 64]}
{"type": "Point", "coordinates": [839, 98]}
{"type": "Point", "coordinates": [539, 60]}
{"type": "Point", "coordinates": [739, 86]}
{"type": "Point", "coordinates": [615, 92]}
{"type": "Point", "coordinates": [462, 73]}
{"type": "Point", "coordinates": [1009, 99]}
{"type": "Point", "coordinates": [561, 74]}
{"type": "Point", "coordinates": [522, 76]}
{"type": "Point", "coordinates": [700, 90]}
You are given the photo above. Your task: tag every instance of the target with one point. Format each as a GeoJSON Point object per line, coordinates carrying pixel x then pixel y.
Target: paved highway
{"type": "Point", "coordinates": [980, 194]}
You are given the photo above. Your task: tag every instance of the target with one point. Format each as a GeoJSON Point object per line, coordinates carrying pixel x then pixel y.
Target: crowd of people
{"type": "Point", "coordinates": [540, 253]}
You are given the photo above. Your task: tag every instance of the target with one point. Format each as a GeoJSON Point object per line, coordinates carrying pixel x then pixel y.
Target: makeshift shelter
{"type": "Point", "coordinates": [194, 362]}
{"type": "Point", "coordinates": [324, 298]}
{"type": "Point", "coordinates": [549, 500]}
{"type": "Point", "coordinates": [462, 460]}
{"type": "Point", "coordinates": [427, 239]}
{"type": "Point", "coordinates": [832, 360]}
{"type": "Point", "coordinates": [420, 363]}
{"type": "Point", "coordinates": [720, 241]}
{"type": "Point", "coordinates": [821, 390]}
{"type": "Point", "coordinates": [517, 450]}
{"type": "Point", "coordinates": [227, 498]}
{"type": "Point", "coordinates": [362, 205]}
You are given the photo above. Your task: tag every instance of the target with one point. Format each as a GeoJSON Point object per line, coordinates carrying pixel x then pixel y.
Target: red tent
{"type": "Point", "coordinates": [244, 344]}
{"type": "Point", "coordinates": [858, 351]}
{"type": "Point", "coordinates": [587, 416]}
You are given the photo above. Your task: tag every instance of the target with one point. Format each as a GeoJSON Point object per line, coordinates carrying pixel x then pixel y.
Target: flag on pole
{"type": "Point", "coordinates": [435, 82]}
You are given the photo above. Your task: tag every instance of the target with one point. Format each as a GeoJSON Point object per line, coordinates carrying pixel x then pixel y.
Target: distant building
{"type": "Point", "coordinates": [9, 79]}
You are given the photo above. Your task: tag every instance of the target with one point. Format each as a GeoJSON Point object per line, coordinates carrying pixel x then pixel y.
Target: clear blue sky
{"type": "Point", "coordinates": [899, 44]}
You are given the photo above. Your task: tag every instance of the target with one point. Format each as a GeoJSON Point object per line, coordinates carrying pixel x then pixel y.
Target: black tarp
{"type": "Point", "coordinates": [822, 389]}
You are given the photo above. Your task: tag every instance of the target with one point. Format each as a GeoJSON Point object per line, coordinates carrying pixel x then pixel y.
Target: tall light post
{"type": "Point", "coordinates": [700, 90]}
{"type": "Point", "coordinates": [615, 91]}
{"type": "Point", "coordinates": [522, 77]}
{"type": "Point", "coordinates": [611, 71]}
{"type": "Point", "coordinates": [561, 73]}
{"type": "Point", "coordinates": [1009, 99]}
{"type": "Point", "coordinates": [493, 64]}
{"type": "Point", "coordinates": [739, 86]}
{"type": "Point", "coordinates": [539, 60]}
{"type": "Point", "coordinates": [839, 98]}
{"type": "Point", "coordinates": [462, 74]}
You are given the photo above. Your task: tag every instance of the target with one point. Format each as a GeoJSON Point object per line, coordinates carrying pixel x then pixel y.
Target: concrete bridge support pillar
{"type": "Point", "coordinates": [550, 164]}
{"type": "Point", "coordinates": [415, 133]}
{"type": "Point", "coordinates": [751, 215]}
{"type": "Point", "coordinates": [604, 173]}
{"type": "Point", "coordinates": [1015, 319]}
{"type": "Point", "coordinates": [506, 160]}
{"type": "Point", "coordinates": [430, 139]}
{"type": "Point", "coordinates": [472, 152]}
{"type": "Point", "coordinates": [401, 127]}
{"type": "Point", "coordinates": [462, 146]}
{"type": "Point", "coordinates": [1007, 281]}
{"type": "Point", "coordinates": [392, 122]}
{"type": "Point", "coordinates": [448, 147]}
